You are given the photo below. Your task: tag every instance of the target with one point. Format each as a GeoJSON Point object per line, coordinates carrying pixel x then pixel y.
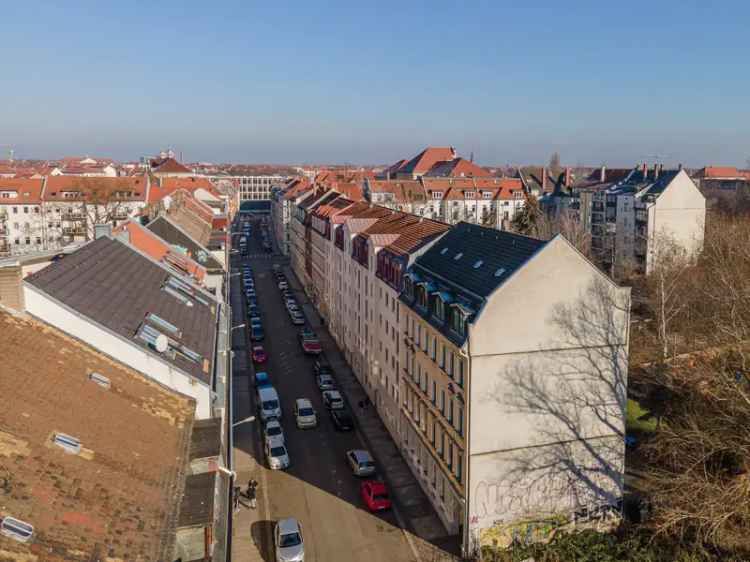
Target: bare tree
{"type": "Point", "coordinates": [101, 203]}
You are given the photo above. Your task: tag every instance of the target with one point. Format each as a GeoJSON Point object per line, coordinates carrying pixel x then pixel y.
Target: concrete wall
{"type": "Point", "coordinates": [547, 392]}
{"type": "Point", "coordinates": [58, 315]}
{"type": "Point", "coordinates": [11, 294]}
{"type": "Point", "coordinates": [679, 214]}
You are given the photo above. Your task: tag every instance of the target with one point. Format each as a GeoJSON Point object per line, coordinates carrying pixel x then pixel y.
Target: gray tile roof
{"type": "Point", "coordinates": [496, 249]}
{"type": "Point", "coordinates": [115, 286]}
{"type": "Point", "coordinates": [171, 233]}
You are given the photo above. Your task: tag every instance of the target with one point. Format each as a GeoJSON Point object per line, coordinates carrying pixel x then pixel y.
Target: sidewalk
{"type": "Point", "coordinates": [251, 533]}
{"type": "Point", "coordinates": [412, 503]}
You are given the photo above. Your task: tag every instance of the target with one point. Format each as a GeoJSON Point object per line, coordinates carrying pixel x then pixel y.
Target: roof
{"type": "Point", "coordinates": [168, 166]}
{"type": "Point", "coordinates": [167, 229]}
{"type": "Point", "coordinates": [161, 250]}
{"type": "Point", "coordinates": [197, 506]}
{"type": "Point", "coordinates": [113, 285]}
{"type": "Point", "coordinates": [404, 191]}
{"type": "Point", "coordinates": [426, 159]}
{"type": "Point", "coordinates": [723, 172]}
{"type": "Point", "coordinates": [496, 249]}
{"type": "Point", "coordinates": [166, 185]}
{"type": "Point", "coordinates": [130, 188]}
{"type": "Point", "coordinates": [457, 168]}
{"type": "Point", "coordinates": [116, 497]}
{"type": "Point", "coordinates": [205, 441]}
{"type": "Point", "coordinates": [29, 191]}
{"type": "Point", "coordinates": [415, 235]}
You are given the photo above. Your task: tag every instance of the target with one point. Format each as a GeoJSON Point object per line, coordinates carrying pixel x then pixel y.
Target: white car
{"type": "Point", "coordinates": [273, 430]}
{"type": "Point", "coordinates": [304, 413]}
{"type": "Point", "coordinates": [297, 319]}
{"type": "Point", "coordinates": [287, 538]}
{"type": "Point", "coordinates": [277, 455]}
{"type": "Point", "coordinates": [333, 400]}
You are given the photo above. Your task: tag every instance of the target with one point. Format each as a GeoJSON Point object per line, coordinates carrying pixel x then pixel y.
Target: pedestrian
{"type": "Point", "coordinates": [251, 494]}
{"type": "Point", "coordinates": [361, 405]}
{"type": "Point", "coordinates": [236, 498]}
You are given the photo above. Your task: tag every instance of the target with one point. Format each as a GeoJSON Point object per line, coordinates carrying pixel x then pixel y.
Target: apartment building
{"type": "Point", "coordinates": [140, 312]}
{"type": "Point", "coordinates": [633, 219]}
{"type": "Point", "coordinates": [254, 188]}
{"type": "Point", "coordinates": [282, 200]}
{"type": "Point", "coordinates": [22, 226]}
{"type": "Point", "coordinates": [300, 233]}
{"type": "Point", "coordinates": [489, 373]}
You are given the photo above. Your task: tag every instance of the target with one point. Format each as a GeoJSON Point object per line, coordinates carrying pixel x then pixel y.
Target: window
{"type": "Point", "coordinates": [442, 402]}
{"type": "Point", "coordinates": [460, 420]}
{"type": "Point", "coordinates": [449, 412]}
{"type": "Point", "coordinates": [478, 264]}
{"type": "Point", "coordinates": [442, 357]}
{"type": "Point", "coordinates": [437, 194]}
{"type": "Point", "coordinates": [26, 210]}
{"type": "Point", "coordinates": [487, 194]}
{"type": "Point", "coordinates": [15, 210]}
{"type": "Point", "coordinates": [28, 240]}
{"type": "Point", "coordinates": [16, 529]}
{"type": "Point", "coordinates": [422, 296]}
{"type": "Point", "coordinates": [433, 392]}
{"type": "Point", "coordinates": [449, 458]}
{"type": "Point", "coordinates": [459, 467]}
{"type": "Point", "coordinates": [499, 272]}
{"type": "Point", "coordinates": [450, 364]}
{"type": "Point", "coordinates": [458, 256]}
{"type": "Point", "coordinates": [461, 373]}
{"type": "Point", "coordinates": [67, 442]}
{"type": "Point", "coordinates": [101, 380]}
{"type": "Point", "coordinates": [38, 241]}
{"type": "Point", "coordinates": [444, 251]}
{"type": "Point", "coordinates": [439, 308]}
{"type": "Point", "coordinates": [433, 353]}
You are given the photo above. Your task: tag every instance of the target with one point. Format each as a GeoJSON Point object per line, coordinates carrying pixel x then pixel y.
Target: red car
{"type": "Point", "coordinates": [375, 495]}
{"type": "Point", "coordinates": [310, 343]}
{"type": "Point", "coordinates": [259, 354]}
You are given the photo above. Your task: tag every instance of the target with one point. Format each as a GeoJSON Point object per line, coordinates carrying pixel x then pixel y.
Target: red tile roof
{"type": "Point", "coordinates": [169, 166]}
{"type": "Point", "coordinates": [426, 159]}
{"type": "Point", "coordinates": [404, 191]}
{"type": "Point", "coordinates": [161, 187]}
{"type": "Point", "coordinates": [29, 191]}
{"type": "Point", "coordinates": [95, 188]}
{"type": "Point", "coordinates": [457, 168]}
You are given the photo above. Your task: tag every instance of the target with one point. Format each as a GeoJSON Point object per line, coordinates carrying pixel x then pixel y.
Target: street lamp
{"type": "Point", "coordinates": [246, 420]}
{"type": "Point", "coordinates": [238, 326]}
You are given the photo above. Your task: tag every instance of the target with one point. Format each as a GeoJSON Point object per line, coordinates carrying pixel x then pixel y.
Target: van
{"type": "Point", "coordinates": [269, 404]}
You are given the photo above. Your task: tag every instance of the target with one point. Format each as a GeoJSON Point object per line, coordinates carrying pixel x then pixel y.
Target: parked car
{"type": "Point", "coordinates": [261, 379]}
{"type": "Point", "coordinates": [325, 382]}
{"type": "Point", "coordinates": [255, 321]}
{"type": "Point", "coordinates": [259, 354]}
{"type": "Point", "coordinates": [304, 413]}
{"type": "Point", "coordinates": [277, 455]}
{"type": "Point", "coordinates": [321, 366]}
{"type": "Point", "coordinates": [283, 285]}
{"type": "Point", "coordinates": [361, 462]}
{"type": "Point", "coordinates": [273, 430]}
{"type": "Point", "coordinates": [342, 419]}
{"type": "Point", "coordinates": [310, 343]}
{"type": "Point", "coordinates": [268, 403]}
{"type": "Point", "coordinates": [297, 318]}
{"type": "Point", "coordinates": [375, 495]}
{"type": "Point", "coordinates": [333, 400]}
{"type": "Point", "coordinates": [288, 542]}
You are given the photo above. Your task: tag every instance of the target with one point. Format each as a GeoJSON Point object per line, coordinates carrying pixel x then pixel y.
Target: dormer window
{"type": "Point", "coordinates": [470, 194]}
{"type": "Point", "coordinates": [437, 194]}
{"type": "Point", "coordinates": [422, 297]}
{"type": "Point", "coordinates": [409, 287]}
{"type": "Point", "coordinates": [438, 307]}
{"type": "Point", "coordinates": [458, 320]}
{"type": "Point", "coordinates": [486, 195]}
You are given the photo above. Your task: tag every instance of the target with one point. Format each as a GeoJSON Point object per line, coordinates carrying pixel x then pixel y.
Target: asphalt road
{"type": "Point", "coordinates": [318, 488]}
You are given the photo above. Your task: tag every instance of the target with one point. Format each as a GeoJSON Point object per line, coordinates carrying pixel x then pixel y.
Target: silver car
{"type": "Point", "coordinates": [287, 538]}
{"type": "Point", "coordinates": [361, 462]}
{"type": "Point", "coordinates": [277, 455]}
{"type": "Point", "coordinates": [273, 430]}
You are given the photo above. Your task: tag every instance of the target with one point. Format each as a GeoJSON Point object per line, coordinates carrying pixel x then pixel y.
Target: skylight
{"type": "Point", "coordinates": [478, 264]}
{"type": "Point", "coordinates": [458, 256]}
{"type": "Point", "coordinates": [499, 272]}
{"type": "Point", "coordinates": [444, 251]}
{"type": "Point", "coordinates": [101, 380]}
{"type": "Point", "coordinates": [67, 442]}
{"type": "Point", "coordinates": [16, 529]}
{"type": "Point", "coordinates": [179, 287]}
{"type": "Point", "coordinates": [163, 324]}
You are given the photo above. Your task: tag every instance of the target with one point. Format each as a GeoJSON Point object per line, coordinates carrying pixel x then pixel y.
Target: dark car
{"type": "Point", "coordinates": [321, 366]}
{"type": "Point", "coordinates": [256, 334]}
{"type": "Point", "coordinates": [342, 419]}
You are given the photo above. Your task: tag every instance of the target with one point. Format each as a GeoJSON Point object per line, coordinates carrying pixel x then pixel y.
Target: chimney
{"type": "Point", "coordinates": [603, 174]}
{"type": "Point", "coordinates": [644, 169]}
{"type": "Point", "coordinates": [544, 178]}
{"type": "Point", "coordinates": [567, 178]}
{"type": "Point", "coordinates": [102, 230]}
{"type": "Point", "coordinates": [679, 166]}
{"type": "Point", "coordinates": [656, 172]}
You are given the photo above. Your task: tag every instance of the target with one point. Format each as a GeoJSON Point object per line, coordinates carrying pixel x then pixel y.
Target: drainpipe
{"type": "Point", "coordinates": [467, 430]}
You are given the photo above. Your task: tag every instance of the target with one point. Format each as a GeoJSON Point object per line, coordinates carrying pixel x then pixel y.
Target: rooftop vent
{"type": "Point", "coordinates": [458, 256]}
{"type": "Point", "coordinates": [16, 529]}
{"type": "Point", "coordinates": [478, 264]}
{"type": "Point", "coordinates": [68, 443]}
{"type": "Point", "coordinates": [101, 380]}
{"type": "Point", "coordinates": [499, 272]}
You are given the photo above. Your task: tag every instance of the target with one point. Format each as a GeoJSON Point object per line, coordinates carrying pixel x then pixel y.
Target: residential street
{"type": "Point", "coordinates": [319, 488]}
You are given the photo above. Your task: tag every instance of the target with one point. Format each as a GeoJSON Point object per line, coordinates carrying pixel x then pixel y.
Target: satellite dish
{"type": "Point", "coordinates": [162, 343]}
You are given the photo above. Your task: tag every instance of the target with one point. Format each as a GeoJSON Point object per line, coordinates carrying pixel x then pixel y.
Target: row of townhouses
{"type": "Point", "coordinates": [497, 362]}
{"type": "Point", "coordinates": [51, 212]}
{"type": "Point", "coordinates": [132, 329]}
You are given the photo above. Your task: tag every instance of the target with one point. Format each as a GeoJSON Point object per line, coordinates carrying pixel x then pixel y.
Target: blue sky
{"type": "Point", "coordinates": [369, 82]}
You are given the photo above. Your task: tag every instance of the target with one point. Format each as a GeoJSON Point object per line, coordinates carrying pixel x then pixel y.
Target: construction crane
{"type": "Point", "coordinates": [10, 150]}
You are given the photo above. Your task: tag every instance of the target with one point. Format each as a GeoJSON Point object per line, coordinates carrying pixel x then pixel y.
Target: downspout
{"type": "Point", "coordinates": [467, 426]}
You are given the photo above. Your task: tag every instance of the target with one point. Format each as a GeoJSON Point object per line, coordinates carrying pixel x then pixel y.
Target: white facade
{"type": "Point", "coordinates": [129, 353]}
{"type": "Point", "coordinates": [257, 188]}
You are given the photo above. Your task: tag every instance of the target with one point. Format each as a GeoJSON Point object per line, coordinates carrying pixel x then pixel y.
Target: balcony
{"type": "Point", "coordinates": [73, 231]}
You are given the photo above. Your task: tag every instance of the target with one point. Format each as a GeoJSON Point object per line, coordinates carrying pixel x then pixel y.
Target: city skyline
{"type": "Point", "coordinates": [365, 85]}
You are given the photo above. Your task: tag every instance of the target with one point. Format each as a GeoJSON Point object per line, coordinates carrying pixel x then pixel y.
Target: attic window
{"type": "Point", "coordinates": [101, 380]}
{"type": "Point", "coordinates": [499, 272]}
{"type": "Point", "coordinates": [458, 256]}
{"type": "Point", "coordinates": [68, 443]}
{"type": "Point", "coordinates": [444, 251]}
{"type": "Point", "coordinates": [16, 529]}
{"type": "Point", "coordinates": [478, 264]}
{"type": "Point", "coordinates": [163, 324]}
